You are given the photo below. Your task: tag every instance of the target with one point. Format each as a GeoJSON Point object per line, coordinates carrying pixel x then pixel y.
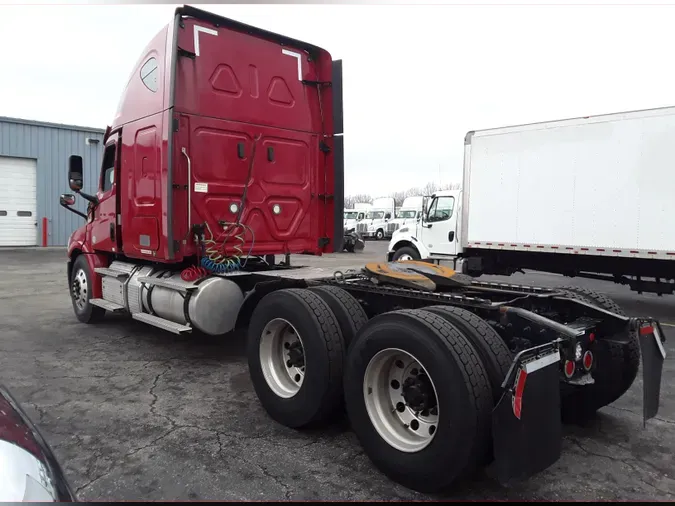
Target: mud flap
{"type": "Point", "coordinates": [653, 355]}
{"type": "Point", "coordinates": [526, 423]}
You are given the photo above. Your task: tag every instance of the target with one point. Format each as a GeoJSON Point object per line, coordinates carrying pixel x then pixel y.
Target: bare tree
{"type": "Point", "coordinates": [357, 199]}
{"type": "Point", "coordinates": [450, 186]}
{"type": "Point", "coordinates": [400, 195]}
{"type": "Point", "coordinates": [430, 188]}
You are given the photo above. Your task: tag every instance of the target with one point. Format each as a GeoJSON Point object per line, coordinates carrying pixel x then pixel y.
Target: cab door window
{"type": "Point", "coordinates": [108, 168]}
{"type": "Point", "coordinates": [441, 209]}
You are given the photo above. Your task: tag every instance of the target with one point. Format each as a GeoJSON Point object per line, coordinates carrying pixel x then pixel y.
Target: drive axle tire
{"type": "Point", "coordinates": [418, 399]}
{"type": "Point", "coordinates": [615, 370]}
{"type": "Point", "coordinates": [81, 283]}
{"type": "Point", "coordinates": [347, 310]}
{"type": "Point", "coordinates": [597, 298]}
{"type": "Point", "coordinates": [491, 348]}
{"type": "Point", "coordinates": [295, 355]}
{"type": "Point", "coordinates": [406, 253]}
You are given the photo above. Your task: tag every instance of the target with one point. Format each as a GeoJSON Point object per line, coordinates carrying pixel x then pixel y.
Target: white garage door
{"type": "Point", "coordinates": [18, 202]}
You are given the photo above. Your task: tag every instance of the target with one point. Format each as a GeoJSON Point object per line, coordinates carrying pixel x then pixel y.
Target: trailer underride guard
{"type": "Point", "coordinates": [219, 161]}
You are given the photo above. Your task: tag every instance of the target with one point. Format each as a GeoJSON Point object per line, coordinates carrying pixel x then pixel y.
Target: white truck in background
{"type": "Point", "coordinates": [377, 220]}
{"type": "Point", "coordinates": [353, 216]}
{"type": "Point", "coordinates": [410, 211]}
{"type": "Point", "coordinates": [589, 197]}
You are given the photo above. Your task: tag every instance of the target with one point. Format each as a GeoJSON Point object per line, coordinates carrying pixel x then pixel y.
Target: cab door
{"type": "Point", "coordinates": [439, 226]}
{"type": "Point", "coordinates": [105, 234]}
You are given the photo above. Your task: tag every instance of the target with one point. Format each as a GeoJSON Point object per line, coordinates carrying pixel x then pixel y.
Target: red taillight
{"type": "Point", "coordinates": [591, 337]}
{"type": "Point", "coordinates": [569, 368]}
{"type": "Point", "coordinates": [588, 360]}
{"type": "Point", "coordinates": [646, 330]}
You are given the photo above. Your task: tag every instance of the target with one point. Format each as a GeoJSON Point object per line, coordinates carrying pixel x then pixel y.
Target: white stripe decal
{"type": "Point", "coordinates": [202, 29]}
{"type": "Point", "coordinates": [542, 362]}
{"type": "Point", "coordinates": [298, 56]}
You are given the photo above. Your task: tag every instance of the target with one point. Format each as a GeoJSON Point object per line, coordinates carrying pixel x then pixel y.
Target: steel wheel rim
{"type": "Point", "coordinates": [280, 351]}
{"type": "Point", "coordinates": [392, 416]}
{"type": "Point", "coordinates": [405, 256]}
{"type": "Point", "coordinates": [80, 289]}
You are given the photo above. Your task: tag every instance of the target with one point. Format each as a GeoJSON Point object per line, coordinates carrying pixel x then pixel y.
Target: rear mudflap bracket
{"type": "Point", "coordinates": [528, 362]}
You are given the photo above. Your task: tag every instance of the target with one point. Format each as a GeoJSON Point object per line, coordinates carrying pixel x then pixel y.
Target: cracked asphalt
{"type": "Point", "coordinates": [135, 413]}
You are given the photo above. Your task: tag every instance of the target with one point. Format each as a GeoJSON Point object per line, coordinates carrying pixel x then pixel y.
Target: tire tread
{"type": "Point", "coordinates": [476, 375]}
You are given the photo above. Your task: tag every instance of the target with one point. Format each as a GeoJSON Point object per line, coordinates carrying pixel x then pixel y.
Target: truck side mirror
{"type": "Point", "coordinates": [75, 173]}
{"type": "Point", "coordinates": [67, 199]}
{"type": "Point", "coordinates": [387, 216]}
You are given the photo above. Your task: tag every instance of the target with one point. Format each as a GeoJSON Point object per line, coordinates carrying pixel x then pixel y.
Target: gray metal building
{"type": "Point", "coordinates": [34, 173]}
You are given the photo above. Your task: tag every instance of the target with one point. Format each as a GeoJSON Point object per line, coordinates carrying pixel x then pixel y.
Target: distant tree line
{"type": "Point", "coordinates": [399, 196]}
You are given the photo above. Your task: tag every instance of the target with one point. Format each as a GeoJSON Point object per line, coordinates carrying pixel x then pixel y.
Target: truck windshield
{"type": "Point", "coordinates": [351, 215]}
{"type": "Point", "coordinates": [375, 215]}
{"type": "Point", "coordinates": [407, 213]}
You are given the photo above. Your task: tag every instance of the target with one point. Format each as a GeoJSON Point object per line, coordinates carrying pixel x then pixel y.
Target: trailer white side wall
{"type": "Point", "coordinates": [603, 185]}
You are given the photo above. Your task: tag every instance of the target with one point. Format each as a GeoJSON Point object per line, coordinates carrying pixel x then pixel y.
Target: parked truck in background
{"type": "Point", "coordinates": [410, 211]}
{"type": "Point", "coordinates": [226, 152]}
{"type": "Point", "coordinates": [353, 216]}
{"type": "Point", "coordinates": [587, 197]}
{"type": "Point", "coordinates": [377, 223]}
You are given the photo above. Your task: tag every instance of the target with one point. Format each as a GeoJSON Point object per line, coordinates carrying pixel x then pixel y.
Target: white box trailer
{"type": "Point", "coordinates": [589, 197]}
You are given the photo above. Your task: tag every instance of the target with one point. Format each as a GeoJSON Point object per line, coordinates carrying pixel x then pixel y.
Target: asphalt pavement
{"type": "Point", "coordinates": [135, 413]}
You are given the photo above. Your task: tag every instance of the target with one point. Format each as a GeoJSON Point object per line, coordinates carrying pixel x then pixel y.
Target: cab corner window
{"type": "Point", "coordinates": [108, 168]}
{"type": "Point", "coordinates": [441, 209]}
{"type": "Point", "coordinates": [149, 72]}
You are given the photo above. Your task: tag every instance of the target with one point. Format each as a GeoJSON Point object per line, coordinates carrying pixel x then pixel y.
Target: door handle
{"type": "Point", "coordinates": [112, 231]}
{"type": "Point", "coordinates": [451, 236]}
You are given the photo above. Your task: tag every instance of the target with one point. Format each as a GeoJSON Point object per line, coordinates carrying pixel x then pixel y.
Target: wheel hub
{"type": "Point", "coordinates": [80, 289]}
{"type": "Point", "coordinates": [282, 358]}
{"type": "Point", "coordinates": [418, 393]}
{"type": "Point", "coordinates": [296, 355]}
{"type": "Point", "coordinates": [401, 400]}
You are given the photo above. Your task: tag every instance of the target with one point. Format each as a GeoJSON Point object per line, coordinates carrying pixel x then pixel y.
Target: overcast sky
{"type": "Point", "coordinates": [416, 78]}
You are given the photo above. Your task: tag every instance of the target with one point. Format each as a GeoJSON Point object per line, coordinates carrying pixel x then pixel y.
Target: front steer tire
{"type": "Point", "coordinates": [319, 396]}
{"type": "Point", "coordinates": [406, 251]}
{"type": "Point", "coordinates": [81, 283]}
{"type": "Point", "coordinates": [616, 366]}
{"type": "Point", "coordinates": [462, 387]}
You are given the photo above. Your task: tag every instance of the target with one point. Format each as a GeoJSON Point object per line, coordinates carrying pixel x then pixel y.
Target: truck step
{"type": "Point", "coordinates": [178, 285]}
{"type": "Point", "coordinates": [104, 271]}
{"type": "Point", "coordinates": [161, 323]}
{"type": "Point", "coordinates": [107, 305]}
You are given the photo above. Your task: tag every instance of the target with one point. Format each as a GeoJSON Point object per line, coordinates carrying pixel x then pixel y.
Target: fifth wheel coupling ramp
{"type": "Point", "coordinates": [416, 274]}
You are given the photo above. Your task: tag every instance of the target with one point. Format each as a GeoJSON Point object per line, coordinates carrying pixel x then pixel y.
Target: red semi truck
{"type": "Point", "coordinates": [226, 152]}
